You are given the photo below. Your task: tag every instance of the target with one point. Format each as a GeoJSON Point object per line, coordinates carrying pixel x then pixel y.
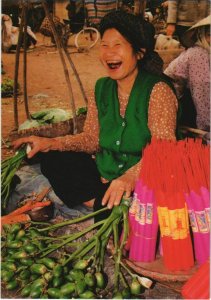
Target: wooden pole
{"type": "Point", "coordinates": [66, 73]}
{"type": "Point", "coordinates": [74, 68]}
{"type": "Point", "coordinates": [17, 57]}
{"type": "Point", "coordinates": [25, 10]}
{"type": "Point", "coordinates": [76, 74]}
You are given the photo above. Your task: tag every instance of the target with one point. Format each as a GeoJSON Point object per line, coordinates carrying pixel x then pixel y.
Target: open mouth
{"type": "Point", "coordinates": [113, 65]}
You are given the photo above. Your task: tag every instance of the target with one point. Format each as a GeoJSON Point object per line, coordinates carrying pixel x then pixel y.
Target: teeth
{"type": "Point", "coordinates": [114, 64]}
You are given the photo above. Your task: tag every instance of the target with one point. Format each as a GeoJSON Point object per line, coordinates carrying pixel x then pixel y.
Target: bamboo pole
{"type": "Point", "coordinates": [76, 74]}
{"type": "Point", "coordinates": [74, 69]}
{"type": "Point", "coordinates": [66, 73]}
{"type": "Point", "coordinates": [25, 10]}
{"type": "Point", "coordinates": [17, 58]}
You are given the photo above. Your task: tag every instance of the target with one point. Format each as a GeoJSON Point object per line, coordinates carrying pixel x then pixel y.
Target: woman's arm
{"type": "Point", "coordinates": [172, 17]}
{"type": "Point", "coordinates": [162, 112]}
{"type": "Point", "coordinates": [87, 141]}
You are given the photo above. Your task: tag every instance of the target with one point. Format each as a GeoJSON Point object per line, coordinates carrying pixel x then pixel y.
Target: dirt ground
{"type": "Point", "coordinates": [46, 83]}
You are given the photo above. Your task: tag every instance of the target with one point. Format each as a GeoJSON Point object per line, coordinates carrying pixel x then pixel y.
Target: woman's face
{"type": "Point", "coordinates": [117, 55]}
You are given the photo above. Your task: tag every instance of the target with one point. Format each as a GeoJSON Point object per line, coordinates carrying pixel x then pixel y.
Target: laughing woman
{"type": "Point", "coordinates": [129, 107]}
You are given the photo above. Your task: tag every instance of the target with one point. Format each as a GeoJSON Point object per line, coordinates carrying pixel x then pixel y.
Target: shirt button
{"type": "Point", "coordinates": [117, 142]}
{"type": "Point", "coordinates": [123, 124]}
{"type": "Point", "coordinates": [120, 166]}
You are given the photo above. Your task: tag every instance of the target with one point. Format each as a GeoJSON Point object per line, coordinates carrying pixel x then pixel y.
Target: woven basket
{"type": "Point", "coordinates": [51, 130]}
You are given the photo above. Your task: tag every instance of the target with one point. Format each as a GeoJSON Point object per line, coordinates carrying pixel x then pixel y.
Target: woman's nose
{"type": "Point", "coordinates": [110, 51]}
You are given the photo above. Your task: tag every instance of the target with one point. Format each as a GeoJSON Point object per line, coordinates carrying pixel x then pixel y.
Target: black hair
{"type": "Point", "coordinates": [128, 25]}
{"type": "Point", "coordinates": [139, 33]}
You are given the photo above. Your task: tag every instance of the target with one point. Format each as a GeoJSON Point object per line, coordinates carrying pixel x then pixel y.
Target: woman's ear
{"type": "Point", "coordinates": [141, 53]}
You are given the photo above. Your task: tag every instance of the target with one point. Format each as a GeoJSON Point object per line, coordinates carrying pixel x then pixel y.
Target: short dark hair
{"type": "Point", "coordinates": [128, 25]}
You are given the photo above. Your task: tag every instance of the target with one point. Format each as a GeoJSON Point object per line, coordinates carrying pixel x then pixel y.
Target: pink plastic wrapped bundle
{"type": "Point", "coordinates": [198, 197]}
{"type": "Point", "coordinates": [143, 224]}
{"type": "Point", "coordinates": [199, 220]}
{"type": "Point", "coordinates": [206, 200]}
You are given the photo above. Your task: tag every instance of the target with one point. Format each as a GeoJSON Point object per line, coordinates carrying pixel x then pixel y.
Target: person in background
{"type": "Point", "coordinates": [10, 35]}
{"type": "Point", "coordinates": [76, 15]}
{"type": "Point", "coordinates": [97, 9]}
{"type": "Point", "coordinates": [128, 6]}
{"type": "Point", "coordinates": [182, 14]}
{"type": "Point", "coordinates": [191, 69]}
{"type": "Point", "coordinates": [152, 5]}
{"type": "Point", "coordinates": [133, 104]}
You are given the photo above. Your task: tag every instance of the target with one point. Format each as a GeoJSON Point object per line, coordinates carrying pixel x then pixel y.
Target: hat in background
{"type": "Point", "coordinates": [203, 22]}
{"type": "Point", "coordinates": [189, 37]}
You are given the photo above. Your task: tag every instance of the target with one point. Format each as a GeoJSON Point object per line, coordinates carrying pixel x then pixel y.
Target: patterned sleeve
{"type": "Point", "coordinates": [162, 113]}
{"type": "Point", "coordinates": [88, 140]}
{"type": "Point", "coordinates": [178, 71]}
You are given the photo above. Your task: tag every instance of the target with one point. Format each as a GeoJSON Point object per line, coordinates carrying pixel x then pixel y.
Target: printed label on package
{"type": "Point", "coordinates": [202, 221]}
{"type": "Point", "coordinates": [149, 213]}
{"type": "Point", "coordinates": [193, 221]}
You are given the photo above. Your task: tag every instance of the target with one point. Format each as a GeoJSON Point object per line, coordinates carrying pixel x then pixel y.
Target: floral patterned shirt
{"type": "Point", "coordinates": [192, 69]}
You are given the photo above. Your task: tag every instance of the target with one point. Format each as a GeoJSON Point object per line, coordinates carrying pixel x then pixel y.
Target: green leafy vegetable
{"type": "Point", "coordinates": [8, 168]}
{"type": "Point", "coordinates": [7, 87]}
{"type": "Point", "coordinates": [46, 116]}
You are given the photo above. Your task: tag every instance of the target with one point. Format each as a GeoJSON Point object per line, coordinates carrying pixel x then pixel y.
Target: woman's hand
{"type": "Point", "coordinates": [37, 144]}
{"type": "Point", "coordinates": [123, 185]}
{"type": "Point", "coordinates": [170, 29]}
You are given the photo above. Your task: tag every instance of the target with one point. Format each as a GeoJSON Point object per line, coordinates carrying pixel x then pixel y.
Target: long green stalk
{"type": "Point", "coordinates": [85, 247]}
{"type": "Point", "coordinates": [72, 238]}
{"type": "Point", "coordinates": [104, 243]}
{"type": "Point", "coordinates": [8, 169]}
{"type": "Point", "coordinates": [73, 221]}
{"type": "Point", "coordinates": [123, 280]}
{"type": "Point", "coordinates": [128, 270]}
{"type": "Point", "coordinates": [118, 252]}
{"type": "Point", "coordinates": [92, 242]}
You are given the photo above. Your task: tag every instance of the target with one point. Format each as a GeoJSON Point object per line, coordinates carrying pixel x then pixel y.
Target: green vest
{"type": "Point", "coordinates": [122, 139]}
